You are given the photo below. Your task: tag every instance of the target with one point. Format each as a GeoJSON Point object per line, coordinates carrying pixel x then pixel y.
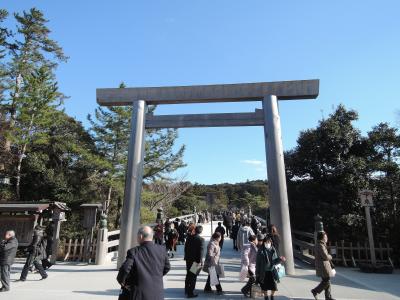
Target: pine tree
{"type": "Point", "coordinates": [111, 129]}
{"type": "Point", "coordinates": [29, 87]}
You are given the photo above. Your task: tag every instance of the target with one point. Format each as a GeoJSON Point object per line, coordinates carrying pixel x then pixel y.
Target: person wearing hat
{"type": "Point", "coordinates": [260, 240]}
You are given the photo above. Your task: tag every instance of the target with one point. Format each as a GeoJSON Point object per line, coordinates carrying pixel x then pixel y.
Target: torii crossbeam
{"type": "Point", "coordinates": [267, 92]}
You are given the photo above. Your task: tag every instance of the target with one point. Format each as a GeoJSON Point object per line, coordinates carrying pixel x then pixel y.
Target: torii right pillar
{"type": "Point", "coordinates": [279, 206]}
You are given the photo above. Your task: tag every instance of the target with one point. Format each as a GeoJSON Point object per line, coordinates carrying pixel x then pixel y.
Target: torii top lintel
{"type": "Point", "coordinates": [284, 90]}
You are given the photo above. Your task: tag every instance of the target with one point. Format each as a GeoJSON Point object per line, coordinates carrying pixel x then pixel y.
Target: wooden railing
{"type": "Point", "coordinates": [344, 253]}
{"type": "Point", "coordinates": [74, 250]}
{"type": "Point", "coordinates": [113, 236]}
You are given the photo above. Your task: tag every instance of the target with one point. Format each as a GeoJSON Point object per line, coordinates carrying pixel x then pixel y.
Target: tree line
{"type": "Point", "coordinates": [46, 154]}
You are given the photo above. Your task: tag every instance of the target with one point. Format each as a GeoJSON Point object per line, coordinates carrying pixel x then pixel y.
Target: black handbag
{"type": "Point", "coordinates": [124, 294]}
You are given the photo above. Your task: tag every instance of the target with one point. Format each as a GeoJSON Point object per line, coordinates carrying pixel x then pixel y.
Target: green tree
{"type": "Point", "coordinates": [111, 130]}
{"type": "Point", "coordinates": [325, 172]}
{"type": "Point", "coordinates": [64, 165]}
{"type": "Point", "coordinates": [385, 170]}
{"type": "Point", "coordinates": [29, 86]}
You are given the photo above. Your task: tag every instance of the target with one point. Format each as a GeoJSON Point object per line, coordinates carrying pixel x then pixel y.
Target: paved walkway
{"type": "Point", "coordinates": [78, 282]}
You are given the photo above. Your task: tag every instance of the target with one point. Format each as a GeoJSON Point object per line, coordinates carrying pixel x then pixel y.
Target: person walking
{"type": "Point", "coordinates": [182, 230]}
{"type": "Point", "coordinates": [229, 224]}
{"type": "Point", "coordinates": [8, 251]}
{"type": "Point", "coordinates": [36, 252]}
{"type": "Point", "coordinates": [276, 239]}
{"type": "Point", "coordinates": [141, 275]}
{"type": "Point", "coordinates": [267, 258]}
{"type": "Point", "coordinates": [221, 230]}
{"type": "Point", "coordinates": [212, 260]}
{"type": "Point", "coordinates": [172, 237]}
{"type": "Point", "coordinates": [248, 261]}
{"type": "Point", "coordinates": [159, 233]}
{"type": "Point", "coordinates": [243, 235]}
{"type": "Point", "coordinates": [323, 266]}
{"type": "Point", "coordinates": [234, 233]}
{"type": "Point", "coordinates": [194, 248]}
{"type": "Point", "coordinates": [254, 224]}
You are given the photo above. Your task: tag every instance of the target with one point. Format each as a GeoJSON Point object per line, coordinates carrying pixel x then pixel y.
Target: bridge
{"type": "Point", "coordinates": [80, 281]}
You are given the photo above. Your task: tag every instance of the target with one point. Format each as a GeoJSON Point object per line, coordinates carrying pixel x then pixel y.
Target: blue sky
{"type": "Point", "coordinates": [351, 46]}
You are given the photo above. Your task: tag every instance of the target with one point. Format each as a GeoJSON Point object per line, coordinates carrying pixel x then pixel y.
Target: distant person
{"type": "Point", "coordinates": [254, 224]}
{"type": "Point", "coordinates": [201, 219]}
{"type": "Point", "coordinates": [159, 233]}
{"type": "Point", "coordinates": [267, 258]}
{"type": "Point", "coordinates": [36, 252]}
{"type": "Point", "coordinates": [248, 261]}
{"type": "Point", "coordinates": [176, 223]}
{"type": "Point", "coordinates": [194, 248]}
{"type": "Point", "coordinates": [48, 243]}
{"type": "Point", "coordinates": [8, 251]}
{"type": "Point", "coordinates": [243, 235]}
{"type": "Point", "coordinates": [212, 260]}
{"type": "Point", "coordinates": [141, 275]}
{"type": "Point", "coordinates": [323, 266]}
{"type": "Point", "coordinates": [221, 230]}
{"type": "Point", "coordinates": [172, 237]}
{"type": "Point", "coordinates": [260, 240]}
{"type": "Point", "coordinates": [235, 230]}
{"type": "Point", "coordinates": [182, 231]}
{"type": "Point", "coordinates": [229, 224]}
{"type": "Point", "coordinates": [276, 239]}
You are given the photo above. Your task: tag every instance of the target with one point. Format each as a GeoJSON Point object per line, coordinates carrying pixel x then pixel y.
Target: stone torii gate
{"type": "Point", "coordinates": [267, 92]}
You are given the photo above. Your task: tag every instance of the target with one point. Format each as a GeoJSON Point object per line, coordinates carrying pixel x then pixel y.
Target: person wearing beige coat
{"type": "Point", "coordinates": [212, 260]}
{"type": "Point", "coordinates": [323, 266]}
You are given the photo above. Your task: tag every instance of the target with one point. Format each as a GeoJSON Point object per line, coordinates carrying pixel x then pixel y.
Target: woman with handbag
{"type": "Point", "coordinates": [267, 259]}
{"type": "Point", "coordinates": [211, 264]}
{"type": "Point", "coordinates": [323, 266]}
{"type": "Point", "coordinates": [248, 262]}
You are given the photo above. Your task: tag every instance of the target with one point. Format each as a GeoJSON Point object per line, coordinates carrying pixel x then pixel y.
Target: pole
{"type": "Point", "coordinates": [55, 239]}
{"type": "Point", "coordinates": [130, 219]}
{"type": "Point", "coordinates": [279, 206]}
{"type": "Point", "coordinates": [370, 235]}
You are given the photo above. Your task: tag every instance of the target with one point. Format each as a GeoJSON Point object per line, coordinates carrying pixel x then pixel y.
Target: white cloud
{"type": "Point", "coordinates": [258, 165]}
{"type": "Point", "coordinates": [253, 162]}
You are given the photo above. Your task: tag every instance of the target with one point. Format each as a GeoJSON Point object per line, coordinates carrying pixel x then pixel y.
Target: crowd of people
{"type": "Point", "coordinates": [141, 275]}
{"type": "Point", "coordinates": [37, 253]}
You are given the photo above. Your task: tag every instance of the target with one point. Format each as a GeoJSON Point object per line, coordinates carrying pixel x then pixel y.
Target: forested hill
{"type": "Point", "coordinates": [227, 195]}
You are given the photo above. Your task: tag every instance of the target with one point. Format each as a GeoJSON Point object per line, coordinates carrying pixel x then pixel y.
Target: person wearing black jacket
{"type": "Point", "coordinates": [194, 248]}
{"type": "Point", "coordinates": [141, 275]}
{"type": "Point", "coordinates": [8, 250]}
{"type": "Point", "coordinates": [36, 252]}
{"type": "Point", "coordinates": [235, 230]}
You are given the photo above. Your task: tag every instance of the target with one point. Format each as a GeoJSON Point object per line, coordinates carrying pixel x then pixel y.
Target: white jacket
{"type": "Point", "coordinates": [243, 236]}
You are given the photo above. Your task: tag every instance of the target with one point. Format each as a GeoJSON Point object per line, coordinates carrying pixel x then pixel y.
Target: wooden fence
{"type": "Point", "coordinates": [74, 250]}
{"type": "Point", "coordinates": [344, 253]}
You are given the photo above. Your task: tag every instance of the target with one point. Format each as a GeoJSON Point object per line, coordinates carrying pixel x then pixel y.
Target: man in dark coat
{"type": "Point", "coordinates": [235, 230]}
{"type": "Point", "coordinates": [182, 228]}
{"type": "Point", "coordinates": [36, 252]}
{"type": "Point", "coordinates": [194, 248]}
{"type": "Point", "coordinates": [8, 250]}
{"type": "Point", "coordinates": [229, 224]}
{"type": "Point", "coordinates": [142, 272]}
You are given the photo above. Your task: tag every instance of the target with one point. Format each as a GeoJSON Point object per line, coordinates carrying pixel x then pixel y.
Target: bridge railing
{"type": "Point", "coordinates": [113, 236]}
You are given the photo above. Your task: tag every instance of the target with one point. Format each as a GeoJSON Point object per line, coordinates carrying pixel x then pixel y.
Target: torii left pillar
{"type": "Point", "coordinates": [130, 219]}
